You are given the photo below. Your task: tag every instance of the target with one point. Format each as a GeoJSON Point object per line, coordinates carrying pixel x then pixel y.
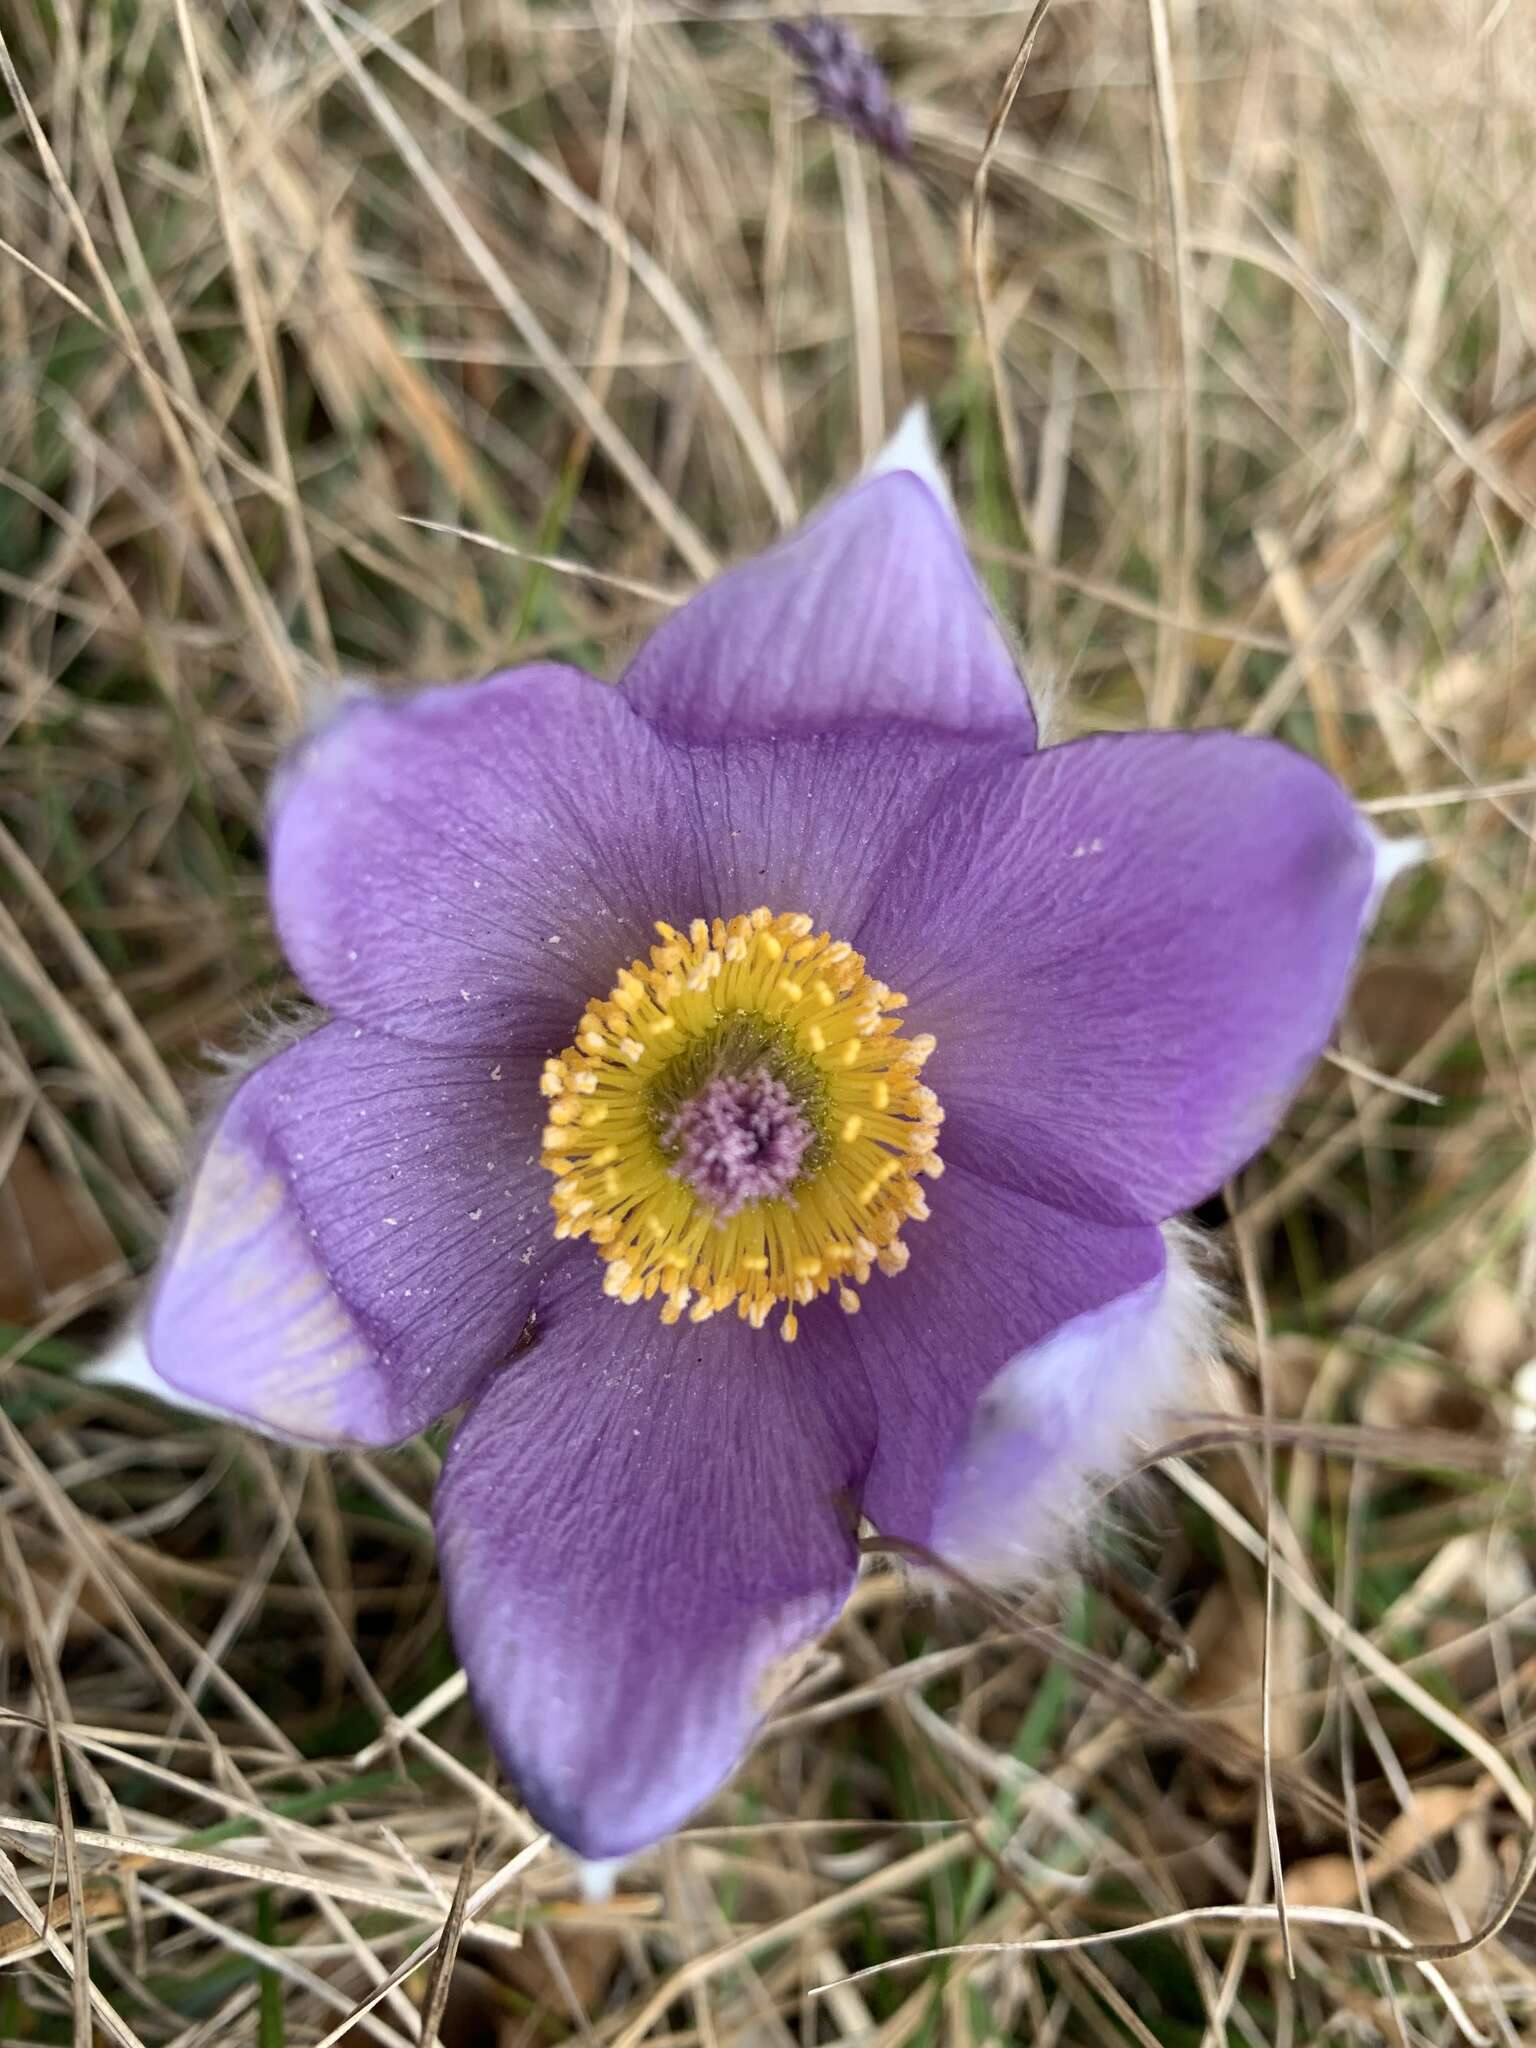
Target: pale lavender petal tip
{"type": "Point", "coordinates": [870, 614]}
{"type": "Point", "coordinates": [1064, 1416]}
{"type": "Point", "coordinates": [126, 1367]}
{"type": "Point", "coordinates": [362, 1239]}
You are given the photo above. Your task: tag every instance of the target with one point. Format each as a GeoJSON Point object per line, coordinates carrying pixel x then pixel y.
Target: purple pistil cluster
{"type": "Point", "coordinates": [740, 1139]}
{"type": "Point", "coordinates": [849, 85]}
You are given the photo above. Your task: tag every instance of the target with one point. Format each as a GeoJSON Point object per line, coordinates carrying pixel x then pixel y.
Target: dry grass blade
{"type": "Point", "coordinates": [1258, 1310]}
{"type": "Point", "coordinates": [440, 1983]}
{"type": "Point", "coordinates": [1182, 456]}
{"type": "Point", "coordinates": [257, 606]}
{"type": "Point", "coordinates": [1220, 1916]}
{"type": "Point", "coordinates": [258, 328]}
{"type": "Point", "coordinates": [663, 509]}
{"type": "Point", "coordinates": [464, 1909]}
{"type": "Point", "coordinates": [1007, 424]}
{"type": "Point", "coordinates": [46, 1678]}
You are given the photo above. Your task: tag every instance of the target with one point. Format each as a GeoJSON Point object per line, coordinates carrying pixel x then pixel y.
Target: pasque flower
{"type": "Point", "coordinates": [653, 1011]}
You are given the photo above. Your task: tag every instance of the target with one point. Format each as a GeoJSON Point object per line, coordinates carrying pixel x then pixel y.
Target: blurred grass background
{"type": "Point", "coordinates": [294, 297]}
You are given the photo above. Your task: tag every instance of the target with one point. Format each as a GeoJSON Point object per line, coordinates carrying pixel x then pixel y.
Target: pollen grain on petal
{"type": "Point", "coordinates": [740, 1123]}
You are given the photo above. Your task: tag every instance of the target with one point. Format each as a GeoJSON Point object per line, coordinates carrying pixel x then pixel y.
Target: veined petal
{"type": "Point", "coordinates": [463, 866]}
{"type": "Point", "coordinates": [991, 1275]}
{"type": "Point", "coordinates": [1064, 1415]}
{"type": "Point", "coordinates": [469, 866]}
{"type": "Point", "coordinates": [813, 821]}
{"type": "Point", "coordinates": [637, 1523]}
{"type": "Point", "coordinates": [1143, 944]}
{"type": "Point", "coordinates": [361, 1242]}
{"type": "Point", "coordinates": [870, 612]}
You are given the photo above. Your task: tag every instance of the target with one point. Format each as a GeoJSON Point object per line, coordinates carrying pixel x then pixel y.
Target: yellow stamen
{"type": "Point", "coordinates": [761, 979]}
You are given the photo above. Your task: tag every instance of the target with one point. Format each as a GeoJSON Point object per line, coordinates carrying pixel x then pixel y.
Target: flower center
{"type": "Point", "coordinates": [741, 1121]}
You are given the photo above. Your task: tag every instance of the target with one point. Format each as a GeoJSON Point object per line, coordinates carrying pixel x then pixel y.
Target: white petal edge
{"type": "Point", "coordinates": [125, 1365]}
{"type": "Point", "coordinates": [1106, 1383]}
{"type": "Point", "coordinates": [912, 448]}
{"type": "Point", "coordinates": [597, 1877]}
{"type": "Point", "coordinates": [1393, 857]}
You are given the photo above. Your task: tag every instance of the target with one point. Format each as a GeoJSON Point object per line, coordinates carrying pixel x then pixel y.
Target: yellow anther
{"type": "Point", "coordinates": [830, 1032]}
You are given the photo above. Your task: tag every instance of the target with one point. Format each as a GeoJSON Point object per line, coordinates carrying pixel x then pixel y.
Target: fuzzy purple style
{"type": "Point", "coordinates": [847, 83]}
{"type": "Point", "coordinates": [1122, 955]}
{"type": "Point", "coordinates": [740, 1139]}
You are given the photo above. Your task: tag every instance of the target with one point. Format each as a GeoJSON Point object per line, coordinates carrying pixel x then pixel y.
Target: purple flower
{"type": "Point", "coordinates": [847, 83]}
{"type": "Point", "coordinates": [653, 1010]}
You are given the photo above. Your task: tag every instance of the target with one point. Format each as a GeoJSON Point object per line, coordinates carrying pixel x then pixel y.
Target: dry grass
{"type": "Point", "coordinates": [289, 294]}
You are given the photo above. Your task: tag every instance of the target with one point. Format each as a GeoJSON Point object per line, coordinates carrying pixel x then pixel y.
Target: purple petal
{"type": "Point", "coordinates": [1063, 1416]}
{"type": "Point", "coordinates": [870, 612]}
{"type": "Point", "coordinates": [467, 865]}
{"type": "Point", "coordinates": [470, 865]}
{"type": "Point", "coordinates": [1131, 950]}
{"type": "Point", "coordinates": [992, 1275]}
{"type": "Point", "coordinates": [362, 1239]}
{"type": "Point", "coordinates": [636, 1525]}
{"type": "Point", "coordinates": [813, 822]}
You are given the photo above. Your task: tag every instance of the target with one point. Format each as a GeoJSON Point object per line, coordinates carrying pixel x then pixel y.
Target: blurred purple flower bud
{"type": "Point", "coordinates": [848, 84]}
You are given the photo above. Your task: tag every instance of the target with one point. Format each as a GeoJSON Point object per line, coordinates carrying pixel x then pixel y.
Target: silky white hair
{"type": "Point", "coordinates": [1165, 1344]}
